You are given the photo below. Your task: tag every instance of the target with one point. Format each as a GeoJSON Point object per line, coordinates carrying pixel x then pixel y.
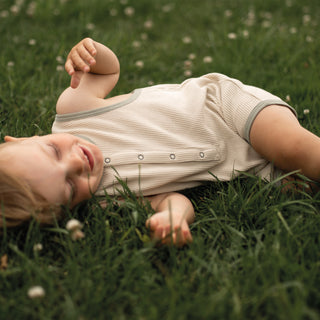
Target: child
{"type": "Point", "coordinates": [159, 140]}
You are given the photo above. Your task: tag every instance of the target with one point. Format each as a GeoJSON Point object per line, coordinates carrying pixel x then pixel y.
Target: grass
{"type": "Point", "coordinates": [255, 253]}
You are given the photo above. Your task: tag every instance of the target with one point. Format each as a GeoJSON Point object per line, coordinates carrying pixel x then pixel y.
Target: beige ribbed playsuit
{"type": "Point", "coordinates": [175, 136]}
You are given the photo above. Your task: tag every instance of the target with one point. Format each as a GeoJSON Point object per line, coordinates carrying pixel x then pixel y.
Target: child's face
{"type": "Point", "coordinates": [64, 169]}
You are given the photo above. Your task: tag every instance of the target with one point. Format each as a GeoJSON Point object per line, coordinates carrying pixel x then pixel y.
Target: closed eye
{"type": "Point", "coordinates": [72, 186]}
{"type": "Point", "coordinates": [56, 151]}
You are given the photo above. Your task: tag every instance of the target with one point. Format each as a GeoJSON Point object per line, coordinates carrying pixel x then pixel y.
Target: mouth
{"type": "Point", "coordinates": [88, 157]}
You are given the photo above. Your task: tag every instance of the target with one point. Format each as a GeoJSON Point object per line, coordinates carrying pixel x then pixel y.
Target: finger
{"type": "Point", "coordinates": [182, 237]}
{"type": "Point", "coordinates": [69, 67]}
{"type": "Point", "coordinates": [158, 232]}
{"type": "Point", "coordinates": [86, 55]}
{"type": "Point", "coordinates": [78, 62]}
{"type": "Point", "coordinates": [188, 236]}
{"type": "Point", "coordinates": [75, 79]}
{"type": "Point", "coordinates": [178, 237]}
{"type": "Point", "coordinates": [164, 235]}
{"type": "Point", "coordinates": [9, 139]}
{"type": "Point", "coordinates": [89, 45]}
{"type": "Point", "coordinates": [152, 223]}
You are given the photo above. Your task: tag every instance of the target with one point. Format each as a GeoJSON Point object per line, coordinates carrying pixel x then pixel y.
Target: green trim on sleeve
{"type": "Point", "coordinates": [260, 106]}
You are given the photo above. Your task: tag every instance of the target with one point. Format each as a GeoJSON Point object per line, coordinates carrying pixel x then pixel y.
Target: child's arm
{"type": "Point", "coordinates": [277, 135]}
{"type": "Point", "coordinates": [94, 71]}
{"type": "Point", "coordinates": [170, 223]}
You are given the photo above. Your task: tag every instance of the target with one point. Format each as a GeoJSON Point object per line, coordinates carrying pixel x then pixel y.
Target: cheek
{"type": "Point", "coordinates": [84, 190]}
{"type": "Point", "coordinates": [50, 184]}
{"type": "Point", "coordinates": [51, 190]}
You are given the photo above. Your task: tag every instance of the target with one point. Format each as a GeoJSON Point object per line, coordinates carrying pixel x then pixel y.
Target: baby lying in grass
{"type": "Point", "coordinates": [159, 140]}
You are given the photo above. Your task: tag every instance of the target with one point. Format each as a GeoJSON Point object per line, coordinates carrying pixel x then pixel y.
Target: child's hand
{"type": "Point", "coordinates": [169, 228]}
{"type": "Point", "coordinates": [79, 60]}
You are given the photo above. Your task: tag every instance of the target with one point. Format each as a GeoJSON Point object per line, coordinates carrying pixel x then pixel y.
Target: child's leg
{"type": "Point", "coordinates": [277, 135]}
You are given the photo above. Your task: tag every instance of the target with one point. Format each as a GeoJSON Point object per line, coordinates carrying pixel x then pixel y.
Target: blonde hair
{"type": "Point", "coordinates": [18, 202]}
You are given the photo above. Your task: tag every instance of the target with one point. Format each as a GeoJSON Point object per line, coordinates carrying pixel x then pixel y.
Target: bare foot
{"type": "Point", "coordinates": [169, 228]}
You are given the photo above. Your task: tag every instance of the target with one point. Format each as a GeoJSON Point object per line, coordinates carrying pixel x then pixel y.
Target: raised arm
{"type": "Point", "coordinates": [170, 223]}
{"type": "Point", "coordinates": [94, 71]}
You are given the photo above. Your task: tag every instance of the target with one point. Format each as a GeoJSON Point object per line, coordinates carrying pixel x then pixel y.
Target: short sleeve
{"type": "Point", "coordinates": [240, 104]}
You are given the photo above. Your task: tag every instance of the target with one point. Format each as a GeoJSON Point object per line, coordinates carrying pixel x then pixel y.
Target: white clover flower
{"type": "Point", "coordinates": [73, 224]}
{"type": "Point", "coordinates": [207, 59]}
{"type": "Point", "coordinates": [4, 14]}
{"type": "Point", "coordinates": [187, 73]}
{"type": "Point", "coordinates": [167, 8]}
{"type": "Point", "coordinates": [36, 292]}
{"type": "Point", "coordinates": [139, 64]}
{"type": "Point", "coordinates": [293, 30]}
{"type": "Point", "coordinates": [245, 33]}
{"type": "Point", "coordinates": [60, 59]}
{"type": "Point", "coordinates": [15, 9]}
{"type": "Point", "coordinates": [306, 111]}
{"type": "Point", "coordinates": [60, 68]}
{"type": "Point", "coordinates": [31, 8]}
{"type": "Point", "coordinates": [77, 235]}
{"type": "Point", "coordinates": [32, 42]}
{"type": "Point", "coordinates": [191, 56]}
{"type": "Point", "coordinates": [144, 36]}
{"type": "Point", "coordinates": [306, 19]}
{"type": "Point", "coordinates": [232, 35]}
{"type": "Point", "coordinates": [251, 18]}
{"type": "Point", "coordinates": [187, 63]}
{"type": "Point", "coordinates": [186, 40]}
{"type": "Point", "coordinates": [136, 44]}
{"type": "Point", "coordinates": [266, 24]}
{"type": "Point", "coordinates": [129, 11]}
{"type": "Point", "coordinates": [37, 247]}
{"type": "Point", "coordinates": [228, 13]}
{"type": "Point", "coordinates": [148, 24]}
{"type": "Point", "coordinates": [10, 64]}
{"type": "Point", "coordinates": [288, 98]}
{"type": "Point", "coordinates": [90, 26]}
{"type": "Point", "coordinates": [309, 39]}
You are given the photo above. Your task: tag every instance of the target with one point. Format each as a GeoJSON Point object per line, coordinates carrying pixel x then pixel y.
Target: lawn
{"type": "Point", "coordinates": [255, 251]}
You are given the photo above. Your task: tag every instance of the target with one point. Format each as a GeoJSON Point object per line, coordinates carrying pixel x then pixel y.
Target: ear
{"type": "Point", "coordinates": [13, 139]}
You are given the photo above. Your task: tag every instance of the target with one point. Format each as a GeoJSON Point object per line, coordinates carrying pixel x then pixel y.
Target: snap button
{"type": "Point", "coordinates": [140, 157]}
{"type": "Point", "coordinates": [172, 156]}
{"type": "Point", "coordinates": [107, 160]}
{"type": "Point", "coordinates": [201, 154]}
